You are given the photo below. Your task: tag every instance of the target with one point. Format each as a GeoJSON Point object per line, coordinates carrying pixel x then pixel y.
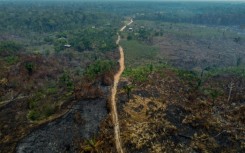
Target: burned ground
{"type": "Point", "coordinates": [174, 122]}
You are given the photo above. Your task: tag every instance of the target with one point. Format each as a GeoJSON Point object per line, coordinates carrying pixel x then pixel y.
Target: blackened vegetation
{"type": "Point", "coordinates": [173, 122]}
{"type": "Point", "coordinates": [55, 59]}
{"type": "Point", "coordinates": [67, 133]}
{"type": "Point", "coordinates": [57, 66]}
{"type": "Point", "coordinates": [97, 77]}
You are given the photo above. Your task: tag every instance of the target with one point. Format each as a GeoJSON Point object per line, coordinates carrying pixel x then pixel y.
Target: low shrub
{"type": "Point", "coordinates": [98, 68]}
{"type": "Point", "coordinates": [10, 46]}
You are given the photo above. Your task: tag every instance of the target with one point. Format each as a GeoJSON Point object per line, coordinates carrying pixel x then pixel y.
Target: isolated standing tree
{"type": "Point", "coordinates": [128, 90]}
{"type": "Point", "coordinates": [29, 67]}
{"type": "Point", "coordinates": [214, 95]}
{"type": "Point", "coordinates": [238, 61]}
{"type": "Point", "coordinates": [201, 76]}
{"type": "Point", "coordinates": [230, 86]}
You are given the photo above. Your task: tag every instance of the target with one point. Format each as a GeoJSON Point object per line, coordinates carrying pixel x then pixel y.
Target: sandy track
{"type": "Point", "coordinates": [114, 92]}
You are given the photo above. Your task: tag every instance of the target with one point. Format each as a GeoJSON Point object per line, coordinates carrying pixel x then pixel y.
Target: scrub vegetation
{"type": "Point", "coordinates": [182, 89]}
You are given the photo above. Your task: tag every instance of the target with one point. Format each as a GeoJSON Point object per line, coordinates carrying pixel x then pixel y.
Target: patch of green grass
{"type": "Point", "coordinates": [146, 23]}
{"type": "Point", "coordinates": [137, 53]}
{"type": "Point", "coordinates": [192, 78]}
{"type": "Point", "coordinates": [33, 115]}
{"type": "Point", "coordinates": [52, 90]}
{"type": "Point", "coordinates": [41, 113]}
{"type": "Point", "coordinates": [40, 107]}
{"type": "Point", "coordinates": [195, 31]}
{"type": "Point", "coordinates": [186, 75]}
{"type": "Point", "coordinates": [12, 59]}
{"type": "Point", "coordinates": [141, 73]}
{"type": "Point", "coordinates": [234, 70]}
{"type": "Point", "coordinates": [187, 29]}
{"type": "Point", "coordinates": [212, 93]}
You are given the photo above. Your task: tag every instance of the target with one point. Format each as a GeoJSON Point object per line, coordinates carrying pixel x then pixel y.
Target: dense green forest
{"type": "Point", "coordinates": [52, 16]}
{"type": "Point", "coordinates": [213, 13]}
{"type": "Point", "coordinates": [59, 24]}
{"type": "Point", "coordinates": [55, 16]}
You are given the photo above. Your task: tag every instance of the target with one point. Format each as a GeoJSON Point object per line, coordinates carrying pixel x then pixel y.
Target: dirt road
{"type": "Point", "coordinates": [122, 29]}
{"type": "Point", "coordinates": [114, 92]}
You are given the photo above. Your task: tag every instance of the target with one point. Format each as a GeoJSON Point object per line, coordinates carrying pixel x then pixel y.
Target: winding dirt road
{"type": "Point", "coordinates": [114, 92]}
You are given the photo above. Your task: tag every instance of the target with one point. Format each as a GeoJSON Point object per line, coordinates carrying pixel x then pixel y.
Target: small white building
{"type": "Point", "coordinates": [67, 45]}
{"type": "Point", "coordinates": [130, 29]}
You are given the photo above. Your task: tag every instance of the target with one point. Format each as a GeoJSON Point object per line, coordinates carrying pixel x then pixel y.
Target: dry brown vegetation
{"type": "Point", "coordinates": [36, 89]}
{"type": "Point", "coordinates": [168, 113]}
{"type": "Point", "coordinates": [194, 54]}
{"type": "Point", "coordinates": [183, 45]}
{"type": "Point", "coordinates": [24, 91]}
{"type": "Point", "coordinates": [91, 89]}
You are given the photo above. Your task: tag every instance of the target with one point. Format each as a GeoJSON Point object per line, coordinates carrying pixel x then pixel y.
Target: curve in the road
{"type": "Point", "coordinates": [114, 92]}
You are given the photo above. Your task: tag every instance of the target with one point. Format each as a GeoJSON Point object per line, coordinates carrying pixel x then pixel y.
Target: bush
{"type": "Point", "coordinates": [212, 93]}
{"type": "Point", "coordinates": [11, 59]}
{"type": "Point", "coordinates": [33, 103]}
{"type": "Point", "coordinates": [40, 106]}
{"type": "Point", "coordinates": [233, 70]}
{"type": "Point", "coordinates": [186, 75]}
{"type": "Point", "coordinates": [65, 80]}
{"type": "Point", "coordinates": [41, 113]}
{"type": "Point", "coordinates": [98, 68]}
{"type": "Point", "coordinates": [33, 115]}
{"type": "Point", "coordinates": [59, 45]}
{"type": "Point", "coordinates": [29, 67]}
{"type": "Point", "coordinates": [9, 46]}
{"type": "Point", "coordinates": [48, 110]}
{"type": "Point", "coordinates": [129, 37]}
{"type": "Point", "coordinates": [190, 77]}
{"type": "Point", "coordinates": [49, 39]}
